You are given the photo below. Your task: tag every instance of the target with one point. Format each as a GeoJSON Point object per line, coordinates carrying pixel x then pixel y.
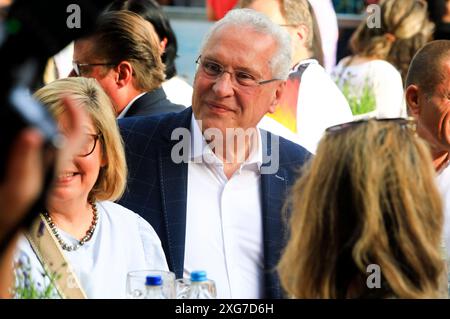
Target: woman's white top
{"type": "Point", "coordinates": [384, 80]}
{"type": "Point", "coordinates": [122, 242]}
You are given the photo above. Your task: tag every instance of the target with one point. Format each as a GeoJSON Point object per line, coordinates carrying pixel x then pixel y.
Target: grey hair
{"type": "Point", "coordinates": [281, 61]}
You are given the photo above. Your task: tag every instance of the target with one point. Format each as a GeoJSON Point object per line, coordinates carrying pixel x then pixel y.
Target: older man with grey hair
{"type": "Point", "coordinates": [209, 181]}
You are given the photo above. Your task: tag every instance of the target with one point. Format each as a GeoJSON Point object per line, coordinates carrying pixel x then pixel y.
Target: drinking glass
{"type": "Point", "coordinates": [182, 286]}
{"type": "Point", "coordinates": [136, 283]}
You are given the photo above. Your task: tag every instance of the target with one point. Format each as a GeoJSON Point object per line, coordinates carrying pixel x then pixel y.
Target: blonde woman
{"type": "Point", "coordinates": [102, 240]}
{"type": "Point", "coordinates": [372, 77]}
{"type": "Point", "coordinates": [368, 198]}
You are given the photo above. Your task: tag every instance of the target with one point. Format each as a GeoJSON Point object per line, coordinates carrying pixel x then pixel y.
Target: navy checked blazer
{"type": "Point", "coordinates": [153, 103]}
{"type": "Point", "coordinates": [157, 189]}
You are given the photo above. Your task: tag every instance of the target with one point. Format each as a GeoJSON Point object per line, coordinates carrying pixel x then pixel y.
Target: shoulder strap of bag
{"type": "Point", "coordinates": [51, 256]}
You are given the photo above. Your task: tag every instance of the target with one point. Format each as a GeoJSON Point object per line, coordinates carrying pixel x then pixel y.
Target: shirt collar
{"type": "Point", "coordinates": [200, 150]}
{"type": "Point", "coordinates": [125, 110]}
{"type": "Point", "coordinates": [307, 61]}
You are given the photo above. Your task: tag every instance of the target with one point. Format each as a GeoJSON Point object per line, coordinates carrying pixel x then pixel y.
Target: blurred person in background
{"type": "Point", "coordinates": [368, 200]}
{"type": "Point", "coordinates": [217, 9]}
{"type": "Point", "coordinates": [329, 31]}
{"type": "Point", "coordinates": [372, 77]}
{"type": "Point", "coordinates": [317, 45]}
{"type": "Point", "coordinates": [124, 55]}
{"type": "Point", "coordinates": [440, 14]}
{"type": "Point", "coordinates": [312, 101]}
{"type": "Point", "coordinates": [178, 91]}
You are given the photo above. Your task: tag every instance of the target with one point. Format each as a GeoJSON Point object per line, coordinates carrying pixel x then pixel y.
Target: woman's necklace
{"type": "Point", "coordinates": [83, 240]}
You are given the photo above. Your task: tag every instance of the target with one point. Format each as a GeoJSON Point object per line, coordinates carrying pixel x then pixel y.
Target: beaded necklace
{"type": "Point", "coordinates": [83, 240]}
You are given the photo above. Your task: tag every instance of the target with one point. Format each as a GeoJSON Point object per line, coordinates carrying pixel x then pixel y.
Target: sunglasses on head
{"type": "Point", "coordinates": [408, 123]}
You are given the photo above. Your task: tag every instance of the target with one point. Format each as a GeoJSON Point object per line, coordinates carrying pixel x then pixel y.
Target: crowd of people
{"type": "Point", "coordinates": [278, 173]}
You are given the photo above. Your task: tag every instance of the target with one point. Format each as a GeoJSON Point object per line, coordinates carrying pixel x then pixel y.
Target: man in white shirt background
{"type": "Point", "coordinates": [312, 102]}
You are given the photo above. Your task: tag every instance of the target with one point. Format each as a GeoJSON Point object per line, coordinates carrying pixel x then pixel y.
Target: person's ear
{"type": "Point", "coordinates": [124, 73]}
{"type": "Point", "coordinates": [104, 160]}
{"type": "Point", "coordinates": [162, 46]}
{"type": "Point", "coordinates": [302, 32]}
{"type": "Point", "coordinates": [412, 100]}
{"type": "Point", "coordinates": [277, 96]}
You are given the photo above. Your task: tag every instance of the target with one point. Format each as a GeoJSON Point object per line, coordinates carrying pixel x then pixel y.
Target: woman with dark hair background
{"type": "Point", "coordinates": [178, 91]}
{"type": "Point", "coordinates": [440, 14]}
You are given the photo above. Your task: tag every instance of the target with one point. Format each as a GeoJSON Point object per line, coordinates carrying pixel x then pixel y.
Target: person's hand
{"type": "Point", "coordinates": [23, 181]}
{"type": "Point", "coordinates": [19, 190]}
{"type": "Point", "coordinates": [74, 135]}
{"type": "Point", "coordinates": [24, 176]}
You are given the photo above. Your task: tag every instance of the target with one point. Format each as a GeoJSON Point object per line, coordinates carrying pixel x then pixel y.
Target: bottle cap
{"type": "Point", "coordinates": [198, 275]}
{"type": "Point", "coordinates": [153, 280]}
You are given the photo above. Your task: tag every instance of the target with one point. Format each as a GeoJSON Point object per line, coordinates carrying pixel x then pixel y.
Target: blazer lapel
{"type": "Point", "coordinates": [173, 184]}
{"type": "Point", "coordinates": [273, 187]}
{"type": "Point", "coordinates": [145, 104]}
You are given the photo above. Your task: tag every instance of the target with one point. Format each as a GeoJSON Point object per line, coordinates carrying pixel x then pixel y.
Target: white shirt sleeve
{"type": "Point", "coordinates": [154, 254]}
{"type": "Point", "coordinates": [320, 105]}
{"type": "Point", "coordinates": [388, 89]}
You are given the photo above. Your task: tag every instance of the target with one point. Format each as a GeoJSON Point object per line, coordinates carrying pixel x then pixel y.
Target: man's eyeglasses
{"type": "Point", "coordinates": [408, 123]}
{"type": "Point", "coordinates": [215, 70]}
{"type": "Point", "coordinates": [77, 66]}
{"type": "Point", "coordinates": [89, 146]}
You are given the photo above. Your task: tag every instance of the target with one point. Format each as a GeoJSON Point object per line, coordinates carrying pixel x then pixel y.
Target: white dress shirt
{"type": "Point", "coordinates": [443, 182]}
{"type": "Point", "coordinates": [224, 220]}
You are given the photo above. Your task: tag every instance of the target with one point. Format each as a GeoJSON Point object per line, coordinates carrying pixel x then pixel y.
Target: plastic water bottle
{"type": "Point", "coordinates": [154, 287]}
{"type": "Point", "coordinates": [201, 287]}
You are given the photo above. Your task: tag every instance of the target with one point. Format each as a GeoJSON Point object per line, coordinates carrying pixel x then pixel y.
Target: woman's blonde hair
{"type": "Point", "coordinates": [87, 93]}
{"type": "Point", "coordinates": [368, 197]}
{"type": "Point", "coordinates": [405, 28]}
